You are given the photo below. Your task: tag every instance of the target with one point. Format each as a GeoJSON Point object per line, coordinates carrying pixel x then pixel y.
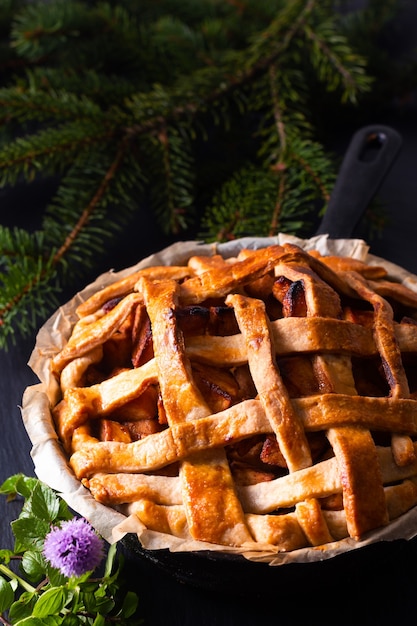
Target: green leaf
{"type": "Point", "coordinates": [29, 533]}
{"type": "Point", "coordinates": [22, 608]}
{"type": "Point", "coordinates": [70, 620]}
{"type": "Point", "coordinates": [89, 601]}
{"type": "Point", "coordinates": [64, 512]}
{"type": "Point", "coordinates": [33, 564]}
{"type": "Point", "coordinates": [36, 621]}
{"type": "Point", "coordinates": [6, 555]}
{"type": "Point", "coordinates": [18, 484]}
{"type": "Point", "coordinates": [110, 560]}
{"type": "Point", "coordinates": [51, 602]}
{"type": "Point", "coordinates": [6, 595]}
{"type": "Point", "coordinates": [99, 621]}
{"type": "Point", "coordinates": [42, 504]}
{"type": "Point", "coordinates": [9, 485]}
{"type": "Point", "coordinates": [130, 604]}
{"type": "Point", "coordinates": [98, 601]}
{"type": "Point", "coordinates": [54, 576]}
{"type": "Point", "coordinates": [104, 605]}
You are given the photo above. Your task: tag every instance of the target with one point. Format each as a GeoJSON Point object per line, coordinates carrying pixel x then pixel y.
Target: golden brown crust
{"type": "Point", "coordinates": [266, 400]}
{"type": "Point", "coordinates": [359, 471]}
{"type": "Point", "coordinates": [124, 286]}
{"type": "Point", "coordinates": [219, 282]}
{"type": "Point", "coordinates": [348, 264]}
{"type": "Point", "coordinates": [269, 385]}
{"type": "Point", "coordinates": [206, 479]}
{"type": "Point", "coordinates": [96, 333]}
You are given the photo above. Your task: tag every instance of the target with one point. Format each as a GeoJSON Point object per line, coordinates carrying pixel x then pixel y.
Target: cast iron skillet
{"type": "Point", "coordinates": [367, 161]}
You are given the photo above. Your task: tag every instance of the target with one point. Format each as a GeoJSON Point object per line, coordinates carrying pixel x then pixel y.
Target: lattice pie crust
{"type": "Point", "coordinates": [268, 399]}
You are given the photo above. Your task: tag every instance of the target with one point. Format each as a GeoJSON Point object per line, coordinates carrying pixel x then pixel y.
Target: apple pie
{"type": "Point", "coordinates": [269, 399]}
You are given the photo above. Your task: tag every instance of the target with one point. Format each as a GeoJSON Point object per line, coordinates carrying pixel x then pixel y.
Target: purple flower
{"type": "Point", "coordinates": [74, 548]}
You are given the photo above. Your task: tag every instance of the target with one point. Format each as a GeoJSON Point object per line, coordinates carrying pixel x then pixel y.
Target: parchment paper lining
{"type": "Point", "coordinates": [50, 461]}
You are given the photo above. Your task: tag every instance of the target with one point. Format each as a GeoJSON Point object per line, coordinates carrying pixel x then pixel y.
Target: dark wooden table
{"type": "Point", "coordinates": [372, 586]}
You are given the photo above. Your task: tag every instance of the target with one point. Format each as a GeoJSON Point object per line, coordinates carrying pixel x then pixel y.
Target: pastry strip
{"type": "Point", "coordinates": [295, 335]}
{"type": "Point", "coordinates": [173, 444]}
{"type": "Point", "coordinates": [240, 422]}
{"type": "Point", "coordinates": [95, 334]}
{"type": "Point", "coordinates": [212, 508]}
{"type": "Point", "coordinates": [219, 282]}
{"type": "Point", "coordinates": [287, 531]}
{"type": "Point", "coordinates": [363, 494]}
{"type": "Point", "coordinates": [252, 320]}
{"type": "Point", "coordinates": [317, 481]}
{"type": "Point", "coordinates": [81, 403]}
{"type": "Point", "coordinates": [360, 475]}
{"type": "Point", "coordinates": [124, 286]}
{"type": "Point", "coordinates": [391, 358]}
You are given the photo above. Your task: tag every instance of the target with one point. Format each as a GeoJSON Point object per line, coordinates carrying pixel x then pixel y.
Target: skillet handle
{"type": "Point", "coordinates": [368, 159]}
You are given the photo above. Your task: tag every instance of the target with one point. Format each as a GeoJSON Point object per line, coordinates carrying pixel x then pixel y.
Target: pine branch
{"type": "Point", "coordinates": [90, 208]}
{"type": "Point", "coordinates": [27, 290]}
{"type": "Point", "coordinates": [33, 105]}
{"type": "Point", "coordinates": [334, 62]}
{"type": "Point", "coordinates": [203, 110]}
{"type": "Point", "coordinates": [274, 200]}
{"type": "Point", "coordinates": [50, 150]}
{"type": "Point", "coordinates": [173, 198]}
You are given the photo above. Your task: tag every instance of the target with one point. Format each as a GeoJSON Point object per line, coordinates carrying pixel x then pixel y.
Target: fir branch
{"type": "Point", "coordinates": [212, 85]}
{"type": "Point", "coordinates": [96, 88]}
{"type": "Point", "coordinates": [318, 167]}
{"type": "Point", "coordinates": [50, 150]}
{"type": "Point", "coordinates": [276, 109]}
{"type": "Point", "coordinates": [27, 292]}
{"type": "Point", "coordinates": [42, 28]}
{"type": "Point", "coordinates": [37, 106]}
{"type": "Point", "coordinates": [172, 198]}
{"type": "Point", "coordinates": [130, 101]}
{"type": "Point", "coordinates": [335, 63]}
{"type": "Point", "coordinates": [246, 201]}
{"type": "Point", "coordinates": [269, 200]}
{"type": "Point", "coordinates": [89, 209]}
{"type": "Point", "coordinates": [84, 216]}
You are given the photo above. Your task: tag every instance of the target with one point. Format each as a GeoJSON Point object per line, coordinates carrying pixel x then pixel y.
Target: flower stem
{"type": "Point", "coordinates": [8, 572]}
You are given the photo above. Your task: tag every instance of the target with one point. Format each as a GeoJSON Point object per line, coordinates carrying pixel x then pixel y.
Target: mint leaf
{"type": "Point", "coordinates": [51, 602]}
{"type": "Point", "coordinates": [6, 595]}
{"type": "Point", "coordinates": [89, 602]}
{"type": "Point", "coordinates": [9, 485]}
{"type": "Point", "coordinates": [29, 533]}
{"type": "Point", "coordinates": [25, 485]}
{"type": "Point", "coordinates": [110, 560]}
{"type": "Point", "coordinates": [36, 621]}
{"type": "Point", "coordinates": [104, 605]}
{"type": "Point", "coordinates": [33, 564]}
{"type": "Point", "coordinates": [130, 604]}
{"type": "Point", "coordinates": [55, 577]}
{"type": "Point", "coordinates": [18, 484]}
{"type": "Point", "coordinates": [6, 555]}
{"type": "Point", "coordinates": [43, 503]}
{"type": "Point", "coordinates": [22, 608]}
{"type": "Point", "coordinates": [64, 512]}
{"type": "Point", "coordinates": [70, 620]}
{"type": "Point", "coordinates": [98, 602]}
